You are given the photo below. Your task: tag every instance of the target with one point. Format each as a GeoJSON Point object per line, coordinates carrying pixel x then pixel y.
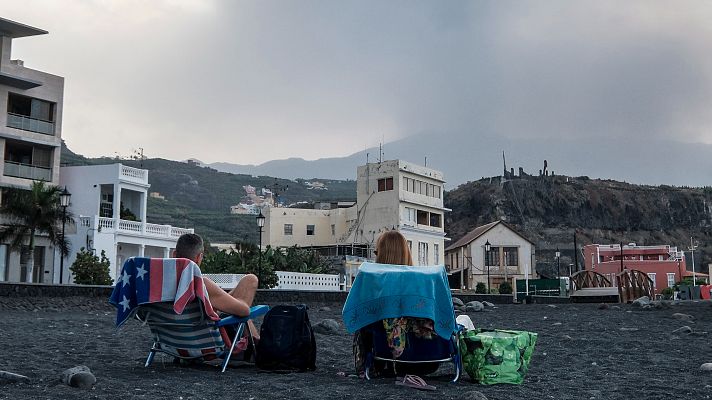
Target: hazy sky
{"type": "Point", "coordinates": [247, 82]}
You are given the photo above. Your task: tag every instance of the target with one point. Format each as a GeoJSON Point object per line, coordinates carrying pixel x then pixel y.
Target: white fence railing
{"type": "Point", "coordinates": [134, 174]}
{"type": "Point", "coordinates": [133, 228]}
{"type": "Point", "coordinates": [286, 281]}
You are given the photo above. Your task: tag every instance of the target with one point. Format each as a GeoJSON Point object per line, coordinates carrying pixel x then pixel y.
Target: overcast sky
{"type": "Point", "coordinates": [247, 82]}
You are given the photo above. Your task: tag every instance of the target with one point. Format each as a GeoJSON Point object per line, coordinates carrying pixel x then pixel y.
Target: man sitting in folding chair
{"type": "Point", "coordinates": [238, 300]}
{"type": "Point", "coordinates": [175, 301]}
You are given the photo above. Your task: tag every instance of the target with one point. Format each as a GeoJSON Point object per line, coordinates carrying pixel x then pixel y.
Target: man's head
{"type": "Point", "coordinates": [189, 246]}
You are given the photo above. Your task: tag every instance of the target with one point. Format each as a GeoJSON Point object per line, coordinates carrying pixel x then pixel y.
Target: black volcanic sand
{"type": "Point", "coordinates": [582, 353]}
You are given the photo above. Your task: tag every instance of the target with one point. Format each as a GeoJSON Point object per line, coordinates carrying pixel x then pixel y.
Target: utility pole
{"type": "Point", "coordinates": [693, 247]}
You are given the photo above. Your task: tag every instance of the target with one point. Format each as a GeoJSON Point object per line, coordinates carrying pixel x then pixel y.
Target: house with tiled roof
{"type": "Point", "coordinates": [511, 256]}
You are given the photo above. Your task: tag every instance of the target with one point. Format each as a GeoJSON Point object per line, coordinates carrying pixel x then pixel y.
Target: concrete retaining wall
{"type": "Point", "coordinates": [263, 296]}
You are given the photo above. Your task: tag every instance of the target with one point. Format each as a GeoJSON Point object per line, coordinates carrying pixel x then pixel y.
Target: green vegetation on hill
{"type": "Point", "coordinates": [200, 197]}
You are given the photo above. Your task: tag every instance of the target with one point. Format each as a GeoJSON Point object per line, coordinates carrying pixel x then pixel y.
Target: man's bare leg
{"type": "Point", "coordinates": [245, 291]}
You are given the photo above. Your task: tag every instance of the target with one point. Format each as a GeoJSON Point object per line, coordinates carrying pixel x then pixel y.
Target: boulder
{"type": "Point", "coordinates": [683, 317]}
{"type": "Point", "coordinates": [472, 395]}
{"type": "Point", "coordinates": [641, 301]}
{"type": "Point", "coordinates": [325, 309]}
{"type": "Point", "coordinates": [327, 326]}
{"type": "Point", "coordinates": [487, 304]}
{"type": "Point", "coordinates": [707, 367]}
{"type": "Point", "coordinates": [79, 377]}
{"type": "Point", "coordinates": [474, 306]}
{"type": "Point", "coordinates": [603, 306]}
{"type": "Point", "coordinates": [457, 302]}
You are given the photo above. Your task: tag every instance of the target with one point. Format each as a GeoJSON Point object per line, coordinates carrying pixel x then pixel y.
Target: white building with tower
{"type": "Point", "coordinates": [390, 195]}
{"type": "Point", "coordinates": [109, 205]}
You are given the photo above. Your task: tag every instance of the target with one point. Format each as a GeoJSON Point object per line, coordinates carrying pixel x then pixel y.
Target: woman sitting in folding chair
{"type": "Point", "coordinates": [409, 342]}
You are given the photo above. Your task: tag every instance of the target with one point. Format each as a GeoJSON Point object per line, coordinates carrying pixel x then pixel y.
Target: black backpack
{"type": "Point", "coordinates": [286, 340]}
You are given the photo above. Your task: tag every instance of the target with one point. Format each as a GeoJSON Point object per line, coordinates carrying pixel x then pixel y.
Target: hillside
{"type": "Point", "coordinates": [549, 210]}
{"type": "Point", "coordinates": [200, 197]}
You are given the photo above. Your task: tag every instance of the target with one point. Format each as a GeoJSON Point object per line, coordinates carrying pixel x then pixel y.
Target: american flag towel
{"type": "Point", "coordinates": [154, 280]}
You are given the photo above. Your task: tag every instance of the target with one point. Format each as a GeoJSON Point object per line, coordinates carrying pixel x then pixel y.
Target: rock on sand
{"type": "Point", "coordinates": [79, 377]}
{"type": "Point", "coordinates": [706, 367]}
{"type": "Point", "coordinates": [683, 317]}
{"type": "Point", "coordinates": [327, 326]}
{"type": "Point", "coordinates": [457, 302]}
{"type": "Point", "coordinates": [641, 302]}
{"type": "Point", "coordinates": [474, 306]}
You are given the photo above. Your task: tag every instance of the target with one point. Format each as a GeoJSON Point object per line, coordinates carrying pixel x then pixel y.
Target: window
{"type": "Point", "coordinates": [409, 215]}
{"type": "Point", "coordinates": [652, 276]}
{"type": "Point", "coordinates": [423, 218]}
{"type": "Point", "coordinates": [333, 230]}
{"type": "Point", "coordinates": [493, 259]}
{"type": "Point", "coordinates": [436, 253]}
{"type": "Point", "coordinates": [438, 190]}
{"type": "Point", "coordinates": [671, 279]}
{"type": "Point", "coordinates": [30, 114]}
{"type": "Point", "coordinates": [511, 256]}
{"type": "Point", "coordinates": [436, 220]}
{"type": "Point", "coordinates": [288, 229]}
{"type": "Point", "coordinates": [422, 253]}
{"type": "Point", "coordinates": [310, 230]}
{"type": "Point", "coordinates": [385, 184]}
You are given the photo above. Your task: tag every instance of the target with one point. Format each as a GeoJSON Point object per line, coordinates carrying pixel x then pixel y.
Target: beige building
{"type": "Point", "coordinates": [511, 257]}
{"type": "Point", "coordinates": [30, 140]}
{"type": "Point", "coordinates": [390, 195]}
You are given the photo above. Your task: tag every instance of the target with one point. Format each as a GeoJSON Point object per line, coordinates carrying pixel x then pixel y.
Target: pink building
{"type": "Point", "coordinates": [664, 264]}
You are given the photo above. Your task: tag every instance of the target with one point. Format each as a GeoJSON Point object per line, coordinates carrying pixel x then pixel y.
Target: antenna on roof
{"type": "Point", "coordinates": [366, 158]}
{"type": "Point", "coordinates": [426, 161]}
{"type": "Point", "coordinates": [380, 152]}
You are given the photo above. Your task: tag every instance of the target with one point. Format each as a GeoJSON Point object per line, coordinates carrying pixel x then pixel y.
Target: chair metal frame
{"type": "Point", "coordinates": [238, 322]}
{"type": "Point", "coordinates": [454, 358]}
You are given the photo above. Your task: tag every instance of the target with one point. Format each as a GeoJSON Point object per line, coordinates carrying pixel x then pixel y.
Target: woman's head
{"type": "Point", "coordinates": [392, 248]}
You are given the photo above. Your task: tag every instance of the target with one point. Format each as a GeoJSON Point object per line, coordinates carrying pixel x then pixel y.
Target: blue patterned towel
{"type": "Point", "coordinates": [383, 291]}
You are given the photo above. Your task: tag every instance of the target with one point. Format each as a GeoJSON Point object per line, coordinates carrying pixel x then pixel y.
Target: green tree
{"type": "Point", "coordinates": [89, 269]}
{"type": "Point", "coordinates": [481, 288]}
{"type": "Point", "coordinates": [32, 212]}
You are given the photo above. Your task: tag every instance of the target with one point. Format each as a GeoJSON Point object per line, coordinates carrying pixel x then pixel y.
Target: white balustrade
{"type": "Point", "coordinates": [134, 228]}
{"type": "Point", "coordinates": [158, 230]}
{"type": "Point", "coordinates": [225, 281]}
{"type": "Point", "coordinates": [130, 226]}
{"type": "Point", "coordinates": [305, 281]}
{"type": "Point", "coordinates": [106, 223]}
{"type": "Point", "coordinates": [286, 281]}
{"type": "Point", "coordinates": [134, 174]}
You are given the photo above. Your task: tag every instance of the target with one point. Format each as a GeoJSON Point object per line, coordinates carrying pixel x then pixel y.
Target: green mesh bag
{"type": "Point", "coordinates": [496, 356]}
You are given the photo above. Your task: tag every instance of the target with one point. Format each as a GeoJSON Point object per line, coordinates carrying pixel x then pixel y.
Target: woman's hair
{"type": "Point", "coordinates": [392, 248]}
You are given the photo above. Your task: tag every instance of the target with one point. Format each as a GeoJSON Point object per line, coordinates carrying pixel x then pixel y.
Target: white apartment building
{"type": "Point", "coordinates": [511, 257]}
{"type": "Point", "coordinates": [30, 140]}
{"type": "Point", "coordinates": [391, 194]}
{"type": "Point", "coordinates": [109, 205]}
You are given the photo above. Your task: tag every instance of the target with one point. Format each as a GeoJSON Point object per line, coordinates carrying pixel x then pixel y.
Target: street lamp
{"type": "Point", "coordinates": [558, 264]}
{"type": "Point", "coordinates": [260, 224]}
{"type": "Point", "coordinates": [487, 261]}
{"type": "Point", "coordinates": [64, 198]}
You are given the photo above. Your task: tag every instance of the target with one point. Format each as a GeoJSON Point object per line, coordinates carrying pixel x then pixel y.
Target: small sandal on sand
{"type": "Point", "coordinates": [415, 382]}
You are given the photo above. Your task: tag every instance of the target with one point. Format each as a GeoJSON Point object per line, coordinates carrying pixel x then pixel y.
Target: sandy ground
{"type": "Point", "coordinates": [582, 353]}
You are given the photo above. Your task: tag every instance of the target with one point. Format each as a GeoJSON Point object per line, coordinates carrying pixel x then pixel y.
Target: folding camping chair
{"type": "Point", "coordinates": [390, 291]}
{"type": "Point", "coordinates": [169, 296]}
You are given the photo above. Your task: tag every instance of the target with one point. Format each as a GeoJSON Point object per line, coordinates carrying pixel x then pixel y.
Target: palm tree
{"type": "Point", "coordinates": [31, 212]}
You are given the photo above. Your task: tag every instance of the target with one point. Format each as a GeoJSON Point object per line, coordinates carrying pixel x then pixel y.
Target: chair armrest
{"type": "Point", "coordinates": [255, 311]}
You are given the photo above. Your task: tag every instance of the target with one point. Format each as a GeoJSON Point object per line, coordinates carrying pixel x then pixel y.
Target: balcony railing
{"type": "Point", "coordinates": [134, 174]}
{"type": "Point", "coordinates": [27, 171]}
{"type": "Point", "coordinates": [135, 228]}
{"type": "Point", "coordinates": [19, 121]}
